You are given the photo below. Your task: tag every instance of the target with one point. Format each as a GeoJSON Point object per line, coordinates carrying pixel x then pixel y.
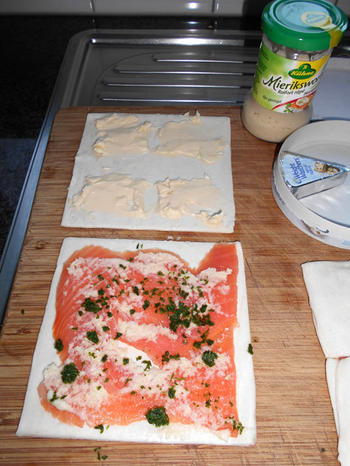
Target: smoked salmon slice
{"type": "Point", "coordinates": [142, 336]}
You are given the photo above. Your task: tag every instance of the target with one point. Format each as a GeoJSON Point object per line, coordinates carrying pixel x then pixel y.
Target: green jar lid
{"type": "Point", "coordinates": [304, 24]}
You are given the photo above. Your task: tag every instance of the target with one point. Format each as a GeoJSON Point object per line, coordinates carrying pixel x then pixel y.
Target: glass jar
{"type": "Point", "coordinates": [298, 38]}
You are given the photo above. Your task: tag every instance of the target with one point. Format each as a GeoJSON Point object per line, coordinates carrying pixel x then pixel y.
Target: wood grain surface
{"type": "Point", "coordinates": [295, 424]}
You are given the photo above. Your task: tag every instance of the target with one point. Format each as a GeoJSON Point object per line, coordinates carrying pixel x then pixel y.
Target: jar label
{"type": "Point", "coordinates": [284, 85]}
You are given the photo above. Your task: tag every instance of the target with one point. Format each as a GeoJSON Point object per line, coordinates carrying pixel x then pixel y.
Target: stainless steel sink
{"type": "Point", "coordinates": [171, 67]}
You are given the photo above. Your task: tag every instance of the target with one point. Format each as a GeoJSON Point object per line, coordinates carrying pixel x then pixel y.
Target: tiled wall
{"type": "Point", "coordinates": [141, 7]}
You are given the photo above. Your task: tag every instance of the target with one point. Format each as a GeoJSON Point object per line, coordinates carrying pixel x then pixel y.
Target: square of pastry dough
{"type": "Point", "coordinates": [124, 159]}
{"type": "Point", "coordinates": [138, 344]}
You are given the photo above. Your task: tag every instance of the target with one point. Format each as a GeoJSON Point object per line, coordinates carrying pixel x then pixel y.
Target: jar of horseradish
{"type": "Point", "coordinates": [298, 38]}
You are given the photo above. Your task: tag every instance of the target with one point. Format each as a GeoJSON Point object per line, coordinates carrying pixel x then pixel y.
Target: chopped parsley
{"type": "Point", "coordinates": [203, 340]}
{"type": "Point", "coordinates": [250, 349]}
{"type": "Point", "coordinates": [167, 356]}
{"type": "Point", "coordinates": [100, 428]}
{"type": "Point", "coordinates": [54, 397]}
{"type": "Point", "coordinates": [132, 311]}
{"type": "Point", "coordinates": [103, 300]}
{"type": "Point", "coordinates": [183, 315]}
{"type": "Point", "coordinates": [237, 426]}
{"type": "Point", "coordinates": [105, 328]}
{"type": "Point", "coordinates": [69, 373]}
{"type": "Point", "coordinates": [135, 290]}
{"type": "Point", "coordinates": [104, 358]}
{"type": "Point", "coordinates": [90, 306]}
{"type": "Point", "coordinates": [157, 416]}
{"type": "Point", "coordinates": [92, 336]}
{"type": "Point", "coordinates": [99, 456]}
{"type": "Point", "coordinates": [125, 361]}
{"type": "Point", "coordinates": [148, 364]}
{"type": "Point", "coordinates": [208, 357]}
{"type": "Point", "coordinates": [59, 345]}
{"type": "Point", "coordinates": [183, 294]}
{"type": "Point", "coordinates": [171, 392]}
{"type": "Point", "coordinates": [145, 304]}
{"type": "Point", "coordinates": [118, 335]}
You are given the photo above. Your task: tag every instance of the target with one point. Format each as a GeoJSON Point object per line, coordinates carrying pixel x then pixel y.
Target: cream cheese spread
{"type": "Point", "coordinates": [189, 138]}
{"type": "Point", "coordinates": [115, 120]}
{"type": "Point", "coordinates": [197, 197]}
{"type": "Point", "coordinates": [115, 194]}
{"type": "Point", "coordinates": [121, 135]}
{"type": "Point", "coordinates": [143, 152]}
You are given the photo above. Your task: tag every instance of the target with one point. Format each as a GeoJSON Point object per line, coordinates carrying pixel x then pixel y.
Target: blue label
{"type": "Point", "coordinates": [299, 170]}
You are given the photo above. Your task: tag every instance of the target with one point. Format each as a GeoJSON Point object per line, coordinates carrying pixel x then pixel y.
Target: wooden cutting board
{"type": "Point", "coordinates": [295, 422]}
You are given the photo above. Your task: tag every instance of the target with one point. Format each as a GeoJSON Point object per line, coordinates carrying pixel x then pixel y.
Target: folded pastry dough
{"type": "Point", "coordinates": [338, 377]}
{"type": "Point", "coordinates": [328, 286]}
